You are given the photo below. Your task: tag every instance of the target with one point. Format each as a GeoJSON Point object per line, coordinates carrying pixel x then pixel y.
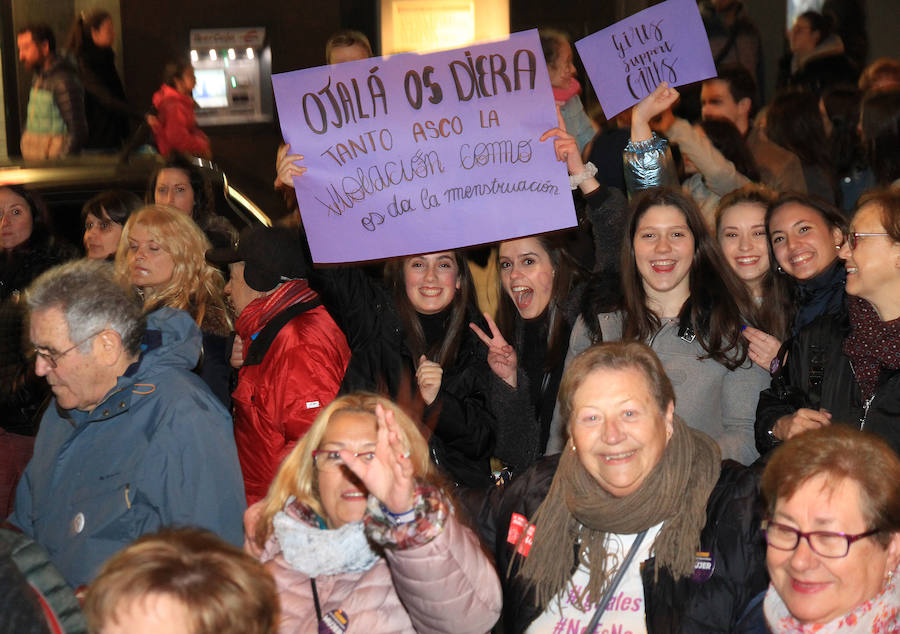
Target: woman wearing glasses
{"type": "Point", "coordinates": [845, 367]}
{"type": "Point", "coordinates": [833, 533]}
{"type": "Point", "coordinates": [360, 536]}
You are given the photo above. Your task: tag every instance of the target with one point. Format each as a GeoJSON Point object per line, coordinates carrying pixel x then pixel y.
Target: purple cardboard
{"type": "Point", "coordinates": [627, 60]}
{"type": "Point", "coordinates": [418, 153]}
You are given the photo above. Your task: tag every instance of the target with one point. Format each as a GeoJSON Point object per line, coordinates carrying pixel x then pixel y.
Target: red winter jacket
{"type": "Point", "coordinates": [176, 129]}
{"type": "Point", "coordinates": [277, 400]}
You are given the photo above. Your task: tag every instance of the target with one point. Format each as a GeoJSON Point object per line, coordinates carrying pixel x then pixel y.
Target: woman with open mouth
{"type": "Point", "coordinates": [638, 525]}
{"type": "Point", "coordinates": [361, 535]}
{"type": "Point", "coordinates": [538, 305]}
{"type": "Point", "coordinates": [845, 367]}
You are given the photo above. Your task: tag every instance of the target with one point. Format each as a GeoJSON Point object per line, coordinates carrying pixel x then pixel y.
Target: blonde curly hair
{"type": "Point", "coordinates": [195, 285]}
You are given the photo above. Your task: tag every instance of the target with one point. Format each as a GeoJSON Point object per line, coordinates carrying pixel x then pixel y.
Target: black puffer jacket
{"type": "Point", "coordinates": [21, 392]}
{"type": "Point", "coordinates": [818, 375]}
{"type": "Point", "coordinates": [732, 534]}
{"type": "Point", "coordinates": [462, 441]}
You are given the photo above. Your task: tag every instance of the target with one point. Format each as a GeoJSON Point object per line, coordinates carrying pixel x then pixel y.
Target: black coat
{"type": "Point", "coordinates": [21, 391]}
{"type": "Point", "coordinates": [105, 106]}
{"type": "Point", "coordinates": [462, 441]}
{"type": "Point", "coordinates": [732, 533]}
{"type": "Point", "coordinates": [817, 374]}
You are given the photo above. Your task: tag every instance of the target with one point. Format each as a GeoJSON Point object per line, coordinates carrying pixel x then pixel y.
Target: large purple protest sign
{"type": "Point", "coordinates": [627, 60]}
{"type": "Point", "coordinates": [418, 153]}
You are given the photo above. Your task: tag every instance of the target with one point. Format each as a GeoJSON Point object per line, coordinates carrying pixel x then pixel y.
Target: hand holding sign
{"type": "Point", "coordinates": [657, 102]}
{"type": "Point", "coordinates": [286, 168]}
{"type": "Point", "coordinates": [501, 356]}
{"type": "Point", "coordinates": [421, 153]}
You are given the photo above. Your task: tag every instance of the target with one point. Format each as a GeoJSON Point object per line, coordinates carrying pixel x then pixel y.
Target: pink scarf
{"type": "Point", "coordinates": [562, 95]}
{"type": "Point", "coordinates": [878, 615]}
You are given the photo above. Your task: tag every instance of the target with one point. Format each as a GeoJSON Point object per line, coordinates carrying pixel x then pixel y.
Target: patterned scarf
{"type": "Point", "coordinates": [577, 510]}
{"type": "Point", "coordinates": [257, 313]}
{"type": "Point", "coordinates": [872, 345]}
{"type": "Point", "coordinates": [878, 615]}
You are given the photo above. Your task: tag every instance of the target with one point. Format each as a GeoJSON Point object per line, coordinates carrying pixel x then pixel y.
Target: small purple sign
{"type": "Point", "coordinates": [417, 153]}
{"type": "Point", "coordinates": [627, 60]}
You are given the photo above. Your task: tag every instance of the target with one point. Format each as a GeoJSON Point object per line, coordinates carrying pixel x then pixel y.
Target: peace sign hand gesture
{"type": "Point", "coordinates": [501, 356]}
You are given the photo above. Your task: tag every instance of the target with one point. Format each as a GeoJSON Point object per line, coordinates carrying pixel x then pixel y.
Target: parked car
{"type": "Point", "coordinates": [65, 186]}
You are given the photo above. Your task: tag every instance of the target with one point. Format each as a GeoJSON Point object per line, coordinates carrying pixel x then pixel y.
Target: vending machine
{"type": "Point", "coordinates": [234, 75]}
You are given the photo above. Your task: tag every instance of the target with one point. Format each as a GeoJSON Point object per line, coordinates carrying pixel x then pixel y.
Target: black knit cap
{"type": "Point", "coordinates": [271, 255]}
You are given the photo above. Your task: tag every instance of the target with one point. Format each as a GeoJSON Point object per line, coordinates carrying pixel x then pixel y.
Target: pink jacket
{"type": "Point", "coordinates": [447, 585]}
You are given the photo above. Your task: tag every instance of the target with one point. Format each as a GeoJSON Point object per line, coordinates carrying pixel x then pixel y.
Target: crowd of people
{"type": "Point", "coordinates": [682, 416]}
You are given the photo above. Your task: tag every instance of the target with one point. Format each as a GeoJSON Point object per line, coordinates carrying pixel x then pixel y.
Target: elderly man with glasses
{"type": "Point", "coordinates": [132, 440]}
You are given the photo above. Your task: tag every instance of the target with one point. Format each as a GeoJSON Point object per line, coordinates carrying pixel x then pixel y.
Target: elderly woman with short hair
{"type": "Point", "coordinates": [833, 532]}
{"type": "Point", "coordinates": [638, 523]}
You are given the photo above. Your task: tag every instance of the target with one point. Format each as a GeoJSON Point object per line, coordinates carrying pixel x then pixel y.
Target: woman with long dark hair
{"type": "Point", "coordinates": [537, 308]}
{"type": "Point", "coordinates": [175, 125]}
{"type": "Point", "coordinates": [741, 232]}
{"type": "Point", "coordinates": [681, 298]}
{"type": "Point", "coordinates": [805, 234]}
{"type": "Point", "coordinates": [409, 339]}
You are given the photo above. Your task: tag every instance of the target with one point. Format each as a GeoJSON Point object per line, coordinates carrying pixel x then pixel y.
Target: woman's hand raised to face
{"type": "Point", "coordinates": [650, 106]}
{"type": "Point", "coordinates": [428, 376]}
{"type": "Point", "coordinates": [286, 168]}
{"type": "Point", "coordinates": [389, 476]}
{"type": "Point", "coordinates": [501, 356]}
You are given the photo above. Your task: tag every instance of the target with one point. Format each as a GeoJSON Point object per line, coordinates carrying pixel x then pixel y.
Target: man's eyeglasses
{"type": "Point", "coordinates": [824, 543]}
{"type": "Point", "coordinates": [52, 358]}
{"type": "Point", "coordinates": [853, 238]}
{"type": "Point", "coordinates": [330, 459]}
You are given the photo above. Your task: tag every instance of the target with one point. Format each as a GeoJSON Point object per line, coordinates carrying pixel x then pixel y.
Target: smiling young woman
{"type": "Point", "coordinates": [844, 366]}
{"type": "Point", "coordinates": [409, 339]}
{"type": "Point", "coordinates": [741, 232]}
{"type": "Point", "coordinates": [681, 298]}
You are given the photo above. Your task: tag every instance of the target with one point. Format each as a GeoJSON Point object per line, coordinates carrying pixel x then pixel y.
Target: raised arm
{"type": "Point", "coordinates": [648, 162]}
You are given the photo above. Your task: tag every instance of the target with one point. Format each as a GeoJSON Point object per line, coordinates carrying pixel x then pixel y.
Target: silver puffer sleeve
{"type": "Point", "coordinates": [648, 164]}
